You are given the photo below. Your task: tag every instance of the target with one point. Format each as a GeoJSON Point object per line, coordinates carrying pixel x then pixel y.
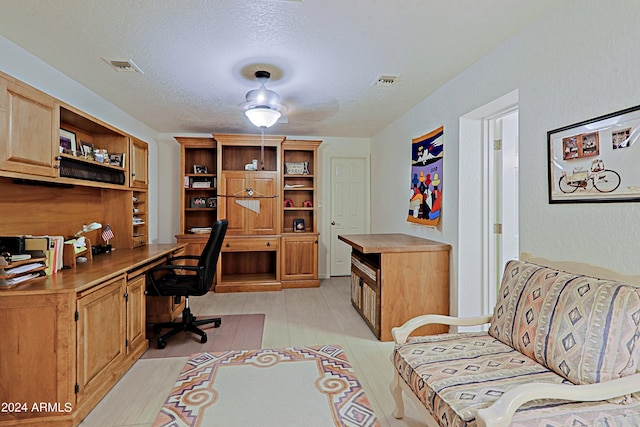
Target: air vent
{"type": "Point", "coordinates": [385, 80]}
{"type": "Point", "coordinates": [123, 65]}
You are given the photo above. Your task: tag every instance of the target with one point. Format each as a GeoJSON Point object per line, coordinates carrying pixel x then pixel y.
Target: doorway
{"type": "Point", "coordinates": [349, 211]}
{"type": "Point", "coordinates": [502, 173]}
{"type": "Point", "coordinates": [487, 199]}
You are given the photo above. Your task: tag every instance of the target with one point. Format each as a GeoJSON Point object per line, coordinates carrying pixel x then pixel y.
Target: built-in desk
{"type": "Point", "coordinates": [66, 339]}
{"type": "Point", "coordinates": [395, 277]}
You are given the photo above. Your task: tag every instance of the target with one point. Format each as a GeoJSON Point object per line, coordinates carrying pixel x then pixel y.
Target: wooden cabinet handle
{"type": "Point", "coordinates": [228, 245]}
{"type": "Point", "coordinates": [268, 244]}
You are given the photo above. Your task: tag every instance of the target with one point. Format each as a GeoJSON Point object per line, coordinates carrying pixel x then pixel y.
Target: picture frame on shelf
{"type": "Point", "coordinates": [198, 202]}
{"type": "Point", "coordinates": [212, 202]}
{"type": "Point", "coordinates": [87, 149]}
{"type": "Point", "coordinates": [298, 225]}
{"type": "Point", "coordinates": [587, 161]}
{"type": "Point", "coordinates": [200, 169]}
{"type": "Point", "coordinates": [116, 159]}
{"type": "Point", "coordinates": [68, 144]}
{"type": "Point", "coordinates": [296, 168]}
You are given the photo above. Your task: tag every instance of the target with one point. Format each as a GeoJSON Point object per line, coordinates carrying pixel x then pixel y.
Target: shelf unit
{"type": "Point", "coordinates": [299, 203]}
{"type": "Point", "coordinates": [249, 199]}
{"type": "Point", "coordinates": [139, 218]}
{"type": "Point", "coordinates": [197, 152]}
{"type": "Point", "coordinates": [70, 189]}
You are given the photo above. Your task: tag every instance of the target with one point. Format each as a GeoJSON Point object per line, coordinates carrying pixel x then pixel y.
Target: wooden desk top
{"type": "Point", "coordinates": [391, 242]}
{"type": "Point", "coordinates": [94, 271]}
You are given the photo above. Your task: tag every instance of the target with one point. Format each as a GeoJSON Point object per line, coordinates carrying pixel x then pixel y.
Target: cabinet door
{"type": "Point", "coordinates": [231, 184]}
{"type": "Point", "coordinates": [101, 330]}
{"type": "Point", "coordinates": [138, 166]}
{"type": "Point", "coordinates": [29, 125]}
{"type": "Point", "coordinates": [136, 315]}
{"type": "Point", "coordinates": [300, 258]}
{"type": "Point", "coordinates": [265, 185]}
{"type": "Point", "coordinates": [38, 359]}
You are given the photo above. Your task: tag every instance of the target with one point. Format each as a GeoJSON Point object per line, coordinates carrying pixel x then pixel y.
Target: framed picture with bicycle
{"type": "Point", "coordinates": [596, 160]}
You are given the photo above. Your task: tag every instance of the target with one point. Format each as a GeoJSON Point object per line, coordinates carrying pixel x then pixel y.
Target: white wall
{"type": "Point", "coordinates": [22, 65]}
{"type": "Point", "coordinates": [578, 62]}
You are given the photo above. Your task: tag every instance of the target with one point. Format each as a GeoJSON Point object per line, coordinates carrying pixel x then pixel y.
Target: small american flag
{"type": "Point", "coordinates": [107, 234]}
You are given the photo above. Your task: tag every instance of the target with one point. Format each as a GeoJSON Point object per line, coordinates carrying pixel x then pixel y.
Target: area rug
{"type": "Point", "coordinates": [237, 332]}
{"type": "Point", "coordinates": [298, 386]}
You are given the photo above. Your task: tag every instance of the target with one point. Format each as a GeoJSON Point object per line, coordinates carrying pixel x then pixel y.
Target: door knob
{"type": "Point", "coordinates": [333, 223]}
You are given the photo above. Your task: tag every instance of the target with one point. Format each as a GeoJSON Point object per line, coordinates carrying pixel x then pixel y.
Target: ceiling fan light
{"type": "Point", "coordinates": [262, 117]}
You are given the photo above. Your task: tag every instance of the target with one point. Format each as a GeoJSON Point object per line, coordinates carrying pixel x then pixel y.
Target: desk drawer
{"type": "Point", "coordinates": [251, 245]}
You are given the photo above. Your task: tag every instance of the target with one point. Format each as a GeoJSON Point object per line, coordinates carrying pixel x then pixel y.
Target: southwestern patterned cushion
{"type": "Point", "coordinates": [454, 375]}
{"type": "Point", "coordinates": [583, 328]}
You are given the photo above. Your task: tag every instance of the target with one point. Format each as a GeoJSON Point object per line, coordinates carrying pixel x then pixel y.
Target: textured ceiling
{"type": "Point", "coordinates": [199, 56]}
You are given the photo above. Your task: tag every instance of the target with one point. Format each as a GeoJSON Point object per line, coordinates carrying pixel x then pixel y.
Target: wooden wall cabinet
{"type": "Point", "coordinates": [28, 128]}
{"type": "Point", "coordinates": [138, 167]}
{"type": "Point", "coordinates": [248, 199]}
{"type": "Point", "coordinates": [249, 183]}
{"type": "Point", "coordinates": [299, 203]}
{"type": "Point", "coordinates": [69, 189]}
{"type": "Point", "coordinates": [242, 189]}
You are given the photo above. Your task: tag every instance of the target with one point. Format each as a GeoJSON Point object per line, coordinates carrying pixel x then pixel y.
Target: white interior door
{"type": "Point", "coordinates": [349, 199]}
{"type": "Point", "coordinates": [503, 197]}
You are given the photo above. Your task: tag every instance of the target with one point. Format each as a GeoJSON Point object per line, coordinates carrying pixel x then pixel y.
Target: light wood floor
{"type": "Point", "coordinates": [294, 317]}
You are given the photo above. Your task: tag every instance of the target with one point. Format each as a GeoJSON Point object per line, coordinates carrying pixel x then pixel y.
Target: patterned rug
{"type": "Point", "coordinates": [299, 386]}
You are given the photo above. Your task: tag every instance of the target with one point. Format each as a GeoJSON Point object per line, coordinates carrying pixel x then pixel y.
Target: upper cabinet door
{"type": "Point", "coordinates": [138, 167]}
{"type": "Point", "coordinates": [29, 129]}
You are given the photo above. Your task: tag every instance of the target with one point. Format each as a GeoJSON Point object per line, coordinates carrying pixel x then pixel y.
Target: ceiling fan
{"type": "Point", "coordinates": [263, 106]}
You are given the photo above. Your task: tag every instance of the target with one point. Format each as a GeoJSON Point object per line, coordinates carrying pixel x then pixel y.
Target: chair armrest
{"type": "Point", "coordinates": [499, 414]}
{"type": "Point", "coordinates": [401, 333]}
{"type": "Point", "coordinates": [168, 267]}
{"type": "Point", "coordinates": [175, 267]}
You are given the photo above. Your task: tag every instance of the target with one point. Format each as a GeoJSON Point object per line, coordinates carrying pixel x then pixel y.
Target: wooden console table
{"type": "Point", "coordinates": [395, 277]}
{"type": "Point", "coordinates": [68, 338]}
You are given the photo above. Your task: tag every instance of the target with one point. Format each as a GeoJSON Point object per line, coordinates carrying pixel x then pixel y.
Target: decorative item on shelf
{"type": "Point", "coordinates": [296, 168]}
{"type": "Point", "coordinates": [253, 166]}
{"type": "Point", "coordinates": [98, 155]}
{"type": "Point", "coordinates": [200, 230]}
{"type": "Point", "coordinates": [201, 183]}
{"type": "Point", "coordinates": [307, 204]}
{"type": "Point", "coordinates": [200, 169]}
{"type": "Point", "coordinates": [107, 234]}
{"type": "Point", "coordinates": [87, 150]}
{"type": "Point", "coordinates": [198, 202]}
{"type": "Point", "coordinates": [116, 159]}
{"type": "Point", "coordinates": [288, 203]}
{"type": "Point", "coordinates": [212, 202]}
{"type": "Point", "coordinates": [298, 225]}
{"type": "Point", "coordinates": [68, 142]}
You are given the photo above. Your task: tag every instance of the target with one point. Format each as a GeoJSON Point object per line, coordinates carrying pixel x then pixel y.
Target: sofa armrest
{"type": "Point", "coordinates": [401, 333]}
{"type": "Point", "coordinates": [500, 412]}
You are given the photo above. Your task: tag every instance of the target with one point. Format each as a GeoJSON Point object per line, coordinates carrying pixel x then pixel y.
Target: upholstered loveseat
{"type": "Point", "coordinates": [562, 349]}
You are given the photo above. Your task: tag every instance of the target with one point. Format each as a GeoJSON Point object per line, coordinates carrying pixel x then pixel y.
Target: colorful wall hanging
{"type": "Point", "coordinates": [425, 200]}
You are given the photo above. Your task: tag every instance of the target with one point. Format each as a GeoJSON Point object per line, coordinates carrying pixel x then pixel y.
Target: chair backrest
{"type": "Point", "coordinates": [210, 254]}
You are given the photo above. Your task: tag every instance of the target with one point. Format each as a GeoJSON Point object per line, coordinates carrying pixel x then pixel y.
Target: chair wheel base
{"type": "Point", "coordinates": [161, 343]}
{"type": "Point", "coordinates": [203, 339]}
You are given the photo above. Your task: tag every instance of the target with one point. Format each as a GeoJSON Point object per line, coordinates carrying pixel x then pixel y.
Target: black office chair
{"type": "Point", "coordinates": [193, 280]}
